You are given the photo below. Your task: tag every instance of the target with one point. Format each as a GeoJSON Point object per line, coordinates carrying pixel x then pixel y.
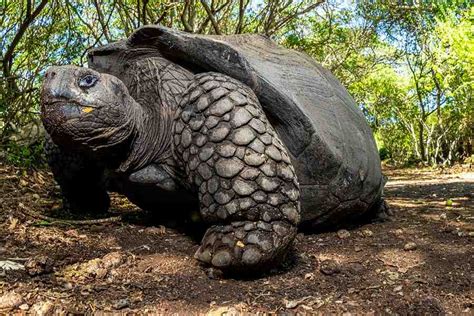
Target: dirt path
{"type": "Point", "coordinates": [421, 262]}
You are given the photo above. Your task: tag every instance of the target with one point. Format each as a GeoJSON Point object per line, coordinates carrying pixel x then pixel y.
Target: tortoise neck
{"type": "Point", "coordinates": [156, 84]}
{"type": "Point", "coordinates": [152, 136]}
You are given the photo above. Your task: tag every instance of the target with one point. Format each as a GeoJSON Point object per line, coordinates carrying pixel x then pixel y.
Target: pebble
{"type": "Point", "coordinates": [329, 267]}
{"type": "Point", "coordinates": [410, 246]}
{"type": "Point", "coordinates": [42, 308]}
{"type": "Point", "coordinates": [24, 307]}
{"type": "Point", "coordinates": [121, 304]}
{"type": "Point", "coordinates": [391, 275]}
{"type": "Point", "coordinates": [342, 233]}
{"type": "Point", "coordinates": [214, 274]}
{"type": "Point", "coordinates": [398, 288]}
{"type": "Point", "coordinates": [367, 233]}
{"type": "Point", "coordinates": [10, 300]}
{"type": "Point", "coordinates": [309, 276]}
{"type": "Point", "coordinates": [68, 286]}
{"type": "Point", "coordinates": [399, 232]}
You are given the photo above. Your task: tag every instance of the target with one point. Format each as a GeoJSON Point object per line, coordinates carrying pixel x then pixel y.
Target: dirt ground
{"type": "Point", "coordinates": [421, 262]}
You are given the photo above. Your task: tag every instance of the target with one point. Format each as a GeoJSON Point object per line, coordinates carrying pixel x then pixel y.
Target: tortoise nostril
{"type": "Point", "coordinates": [50, 74]}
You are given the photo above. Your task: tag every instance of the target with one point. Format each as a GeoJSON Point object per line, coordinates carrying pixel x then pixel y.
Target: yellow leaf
{"type": "Point", "coordinates": [87, 109]}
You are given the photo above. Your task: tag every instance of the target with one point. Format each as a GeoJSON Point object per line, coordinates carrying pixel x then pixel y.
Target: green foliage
{"type": "Point", "coordinates": [384, 153]}
{"type": "Point", "coordinates": [408, 65]}
{"type": "Point", "coordinates": [25, 156]}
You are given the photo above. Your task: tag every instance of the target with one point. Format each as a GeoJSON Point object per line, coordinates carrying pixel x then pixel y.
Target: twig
{"type": "Point", "coordinates": [37, 215]}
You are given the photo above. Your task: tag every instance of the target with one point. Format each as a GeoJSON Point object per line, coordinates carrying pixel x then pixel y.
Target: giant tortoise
{"type": "Point", "coordinates": [259, 138]}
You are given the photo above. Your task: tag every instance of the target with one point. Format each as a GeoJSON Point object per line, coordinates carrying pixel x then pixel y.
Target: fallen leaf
{"type": "Point", "coordinates": [11, 265]}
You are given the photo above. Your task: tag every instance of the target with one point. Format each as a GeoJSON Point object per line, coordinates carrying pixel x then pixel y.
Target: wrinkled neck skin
{"type": "Point", "coordinates": [157, 85]}
{"type": "Point", "coordinates": [151, 137]}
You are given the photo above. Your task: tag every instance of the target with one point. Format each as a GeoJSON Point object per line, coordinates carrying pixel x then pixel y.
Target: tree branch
{"type": "Point", "coordinates": [211, 17]}
{"type": "Point", "coordinates": [7, 58]}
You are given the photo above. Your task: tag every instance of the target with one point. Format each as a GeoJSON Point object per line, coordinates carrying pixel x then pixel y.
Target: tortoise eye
{"type": "Point", "coordinates": [88, 81]}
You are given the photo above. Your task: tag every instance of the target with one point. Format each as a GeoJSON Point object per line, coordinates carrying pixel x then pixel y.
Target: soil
{"type": "Point", "coordinates": [419, 262]}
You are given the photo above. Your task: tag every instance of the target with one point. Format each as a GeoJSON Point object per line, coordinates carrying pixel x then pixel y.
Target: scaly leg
{"type": "Point", "coordinates": [247, 186]}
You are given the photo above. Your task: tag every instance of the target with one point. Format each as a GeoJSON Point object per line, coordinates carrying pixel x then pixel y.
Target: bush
{"type": "Point", "coordinates": [24, 156]}
{"type": "Point", "coordinates": [384, 153]}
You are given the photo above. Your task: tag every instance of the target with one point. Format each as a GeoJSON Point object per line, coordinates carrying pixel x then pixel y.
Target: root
{"type": "Point", "coordinates": [37, 215]}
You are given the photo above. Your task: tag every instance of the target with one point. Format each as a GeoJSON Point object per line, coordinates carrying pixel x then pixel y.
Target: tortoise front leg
{"type": "Point", "coordinates": [247, 186]}
{"type": "Point", "coordinates": [81, 180]}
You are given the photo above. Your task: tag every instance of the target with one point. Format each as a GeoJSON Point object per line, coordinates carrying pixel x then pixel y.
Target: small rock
{"type": "Point", "coordinates": [121, 304]}
{"type": "Point", "coordinates": [398, 232]}
{"type": "Point", "coordinates": [10, 300]}
{"type": "Point", "coordinates": [367, 233]}
{"type": "Point", "coordinates": [68, 286]}
{"type": "Point", "coordinates": [42, 308]}
{"type": "Point", "coordinates": [357, 249]}
{"type": "Point", "coordinates": [329, 267]}
{"type": "Point", "coordinates": [24, 307]}
{"type": "Point", "coordinates": [392, 275]}
{"type": "Point", "coordinates": [309, 276]}
{"type": "Point", "coordinates": [342, 233]}
{"type": "Point", "coordinates": [398, 288]}
{"type": "Point", "coordinates": [214, 274]}
{"type": "Point", "coordinates": [410, 246]}
{"type": "Point", "coordinates": [39, 265]}
{"type": "Point", "coordinates": [470, 234]}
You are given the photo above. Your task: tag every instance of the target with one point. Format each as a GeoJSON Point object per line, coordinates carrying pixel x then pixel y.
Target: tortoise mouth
{"type": "Point", "coordinates": [60, 111]}
{"type": "Point", "coordinates": [56, 113]}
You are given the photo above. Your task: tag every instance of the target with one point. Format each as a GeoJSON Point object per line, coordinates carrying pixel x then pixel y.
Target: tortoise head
{"type": "Point", "coordinates": [84, 109]}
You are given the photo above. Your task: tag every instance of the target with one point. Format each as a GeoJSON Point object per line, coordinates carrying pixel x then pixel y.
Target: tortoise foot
{"type": "Point", "coordinates": [246, 246]}
{"type": "Point", "coordinates": [383, 213]}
